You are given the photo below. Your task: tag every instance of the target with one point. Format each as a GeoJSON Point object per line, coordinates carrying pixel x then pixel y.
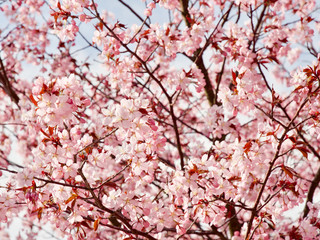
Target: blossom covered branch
{"type": "Point", "coordinates": [182, 119]}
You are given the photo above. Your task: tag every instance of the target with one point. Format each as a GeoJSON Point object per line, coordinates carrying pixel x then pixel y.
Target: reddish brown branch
{"type": "Point", "coordinates": [6, 85]}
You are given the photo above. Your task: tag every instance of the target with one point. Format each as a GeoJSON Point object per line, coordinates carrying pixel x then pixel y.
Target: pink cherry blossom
{"type": "Point", "coordinates": [163, 120]}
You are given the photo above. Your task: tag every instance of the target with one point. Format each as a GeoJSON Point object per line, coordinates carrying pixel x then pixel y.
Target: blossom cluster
{"type": "Point", "coordinates": [201, 126]}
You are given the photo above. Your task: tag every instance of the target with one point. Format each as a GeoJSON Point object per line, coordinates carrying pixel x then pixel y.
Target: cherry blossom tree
{"type": "Point", "coordinates": [198, 119]}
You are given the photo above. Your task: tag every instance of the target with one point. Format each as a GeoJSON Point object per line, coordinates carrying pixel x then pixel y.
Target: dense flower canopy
{"type": "Point", "coordinates": [180, 119]}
